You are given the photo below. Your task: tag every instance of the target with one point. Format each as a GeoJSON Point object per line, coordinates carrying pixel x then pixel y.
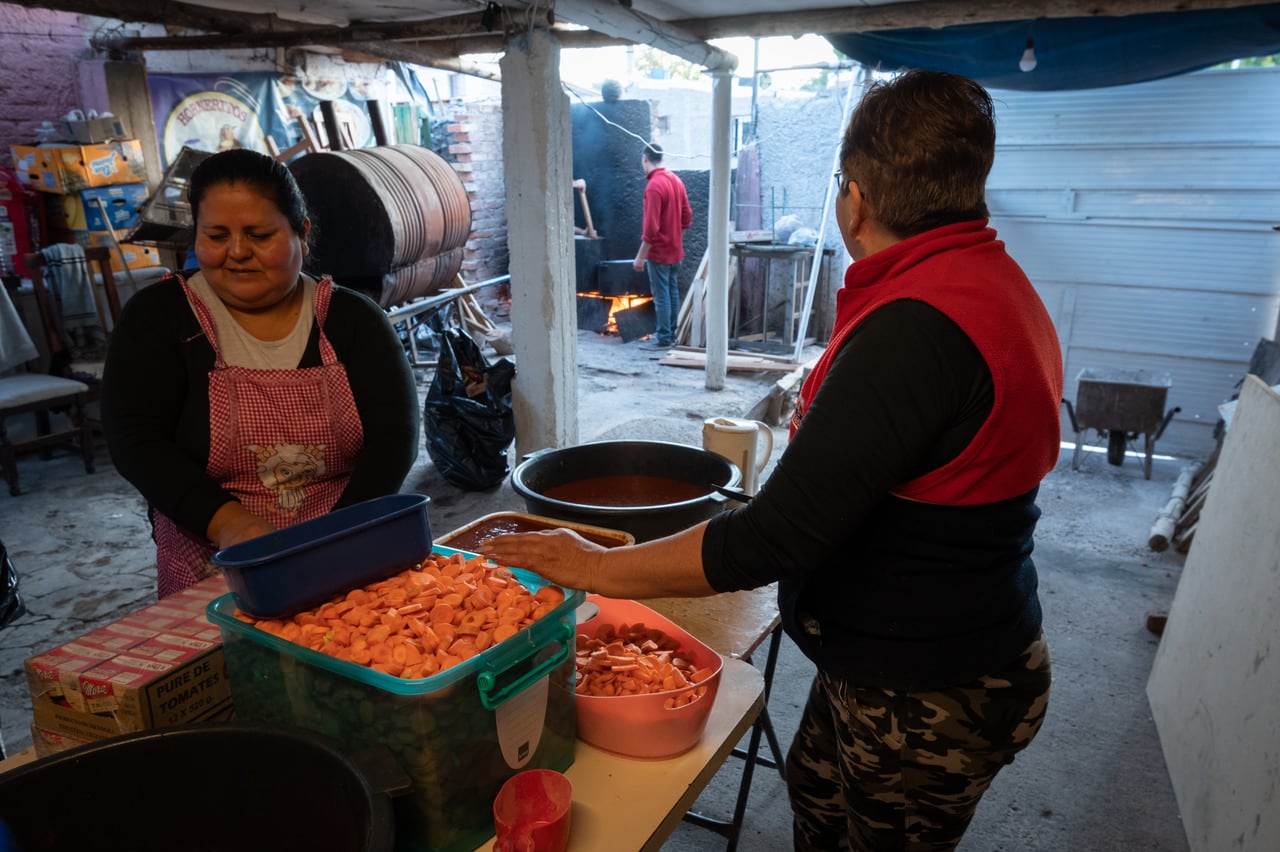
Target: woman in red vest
{"type": "Point", "coordinates": [898, 522]}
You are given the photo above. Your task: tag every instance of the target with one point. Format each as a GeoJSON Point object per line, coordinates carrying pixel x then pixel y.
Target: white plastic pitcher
{"type": "Point", "coordinates": [739, 442]}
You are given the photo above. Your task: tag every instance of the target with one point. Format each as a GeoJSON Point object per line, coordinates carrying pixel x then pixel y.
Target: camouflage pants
{"type": "Point", "coordinates": [875, 769]}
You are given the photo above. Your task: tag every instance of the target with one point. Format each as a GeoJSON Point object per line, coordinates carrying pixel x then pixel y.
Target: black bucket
{"type": "Point", "coordinates": [206, 788]}
{"type": "Point", "coordinates": [550, 469]}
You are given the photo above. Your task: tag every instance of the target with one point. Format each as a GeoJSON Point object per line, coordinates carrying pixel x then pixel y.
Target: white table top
{"type": "Point", "coordinates": [624, 803]}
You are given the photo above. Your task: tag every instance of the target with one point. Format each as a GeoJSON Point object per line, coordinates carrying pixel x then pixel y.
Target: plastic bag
{"type": "Point", "coordinates": [11, 605]}
{"type": "Point", "coordinates": [467, 416]}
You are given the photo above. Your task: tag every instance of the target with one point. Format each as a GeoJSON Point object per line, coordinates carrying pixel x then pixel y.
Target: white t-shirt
{"type": "Point", "coordinates": [239, 348]}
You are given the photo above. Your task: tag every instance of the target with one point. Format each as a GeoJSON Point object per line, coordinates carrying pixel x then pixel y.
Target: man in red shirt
{"type": "Point", "coordinates": [666, 216]}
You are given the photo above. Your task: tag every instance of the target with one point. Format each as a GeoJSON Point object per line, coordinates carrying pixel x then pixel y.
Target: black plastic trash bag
{"type": "Point", "coordinates": [467, 417]}
{"type": "Point", "coordinates": [11, 605]}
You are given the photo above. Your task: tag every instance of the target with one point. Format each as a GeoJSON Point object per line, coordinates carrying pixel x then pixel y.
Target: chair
{"type": "Point", "coordinates": [25, 392]}
{"type": "Point", "coordinates": [306, 144]}
{"type": "Point", "coordinates": [66, 361]}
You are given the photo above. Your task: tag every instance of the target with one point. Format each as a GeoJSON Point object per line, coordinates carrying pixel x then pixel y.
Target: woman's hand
{"type": "Point", "coordinates": [233, 523]}
{"type": "Point", "coordinates": [665, 567]}
{"type": "Point", "coordinates": [559, 555]}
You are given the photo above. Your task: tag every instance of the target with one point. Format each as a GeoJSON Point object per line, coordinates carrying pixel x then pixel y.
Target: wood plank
{"type": "Point", "coordinates": [698, 360]}
{"type": "Point", "coordinates": [1214, 684]}
{"type": "Point", "coordinates": [771, 356]}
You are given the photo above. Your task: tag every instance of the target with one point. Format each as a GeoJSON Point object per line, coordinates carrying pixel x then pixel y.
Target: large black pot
{"type": "Point", "coordinates": [222, 787]}
{"type": "Point", "coordinates": [547, 469]}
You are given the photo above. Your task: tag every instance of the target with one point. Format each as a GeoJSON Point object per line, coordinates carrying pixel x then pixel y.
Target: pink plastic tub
{"type": "Point", "coordinates": [641, 725]}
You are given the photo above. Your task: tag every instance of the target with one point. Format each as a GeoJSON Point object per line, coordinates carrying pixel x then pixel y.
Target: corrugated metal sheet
{"type": "Point", "coordinates": [1144, 214]}
{"type": "Point", "coordinates": [1194, 108]}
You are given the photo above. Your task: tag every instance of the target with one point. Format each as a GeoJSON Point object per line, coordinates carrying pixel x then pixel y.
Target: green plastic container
{"type": "Point", "coordinates": [458, 734]}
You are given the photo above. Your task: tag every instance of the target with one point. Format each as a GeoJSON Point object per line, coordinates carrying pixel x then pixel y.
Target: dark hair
{"type": "Point", "coordinates": [271, 178]}
{"type": "Point", "coordinates": [653, 153]}
{"type": "Point", "coordinates": [920, 148]}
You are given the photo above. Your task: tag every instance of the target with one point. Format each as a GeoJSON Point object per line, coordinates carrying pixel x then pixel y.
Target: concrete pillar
{"type": "Point", "coordinates": [538, 160]}
{"type": "Point", "coordinates": [718, 233]}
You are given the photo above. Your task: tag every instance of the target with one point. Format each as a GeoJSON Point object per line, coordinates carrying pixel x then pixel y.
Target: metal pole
{"type": "Point", "coordinates": [816, 267]}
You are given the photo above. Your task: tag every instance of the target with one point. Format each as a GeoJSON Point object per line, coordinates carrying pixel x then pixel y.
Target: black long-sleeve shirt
{"type": "Point", "coordinates": [903, 594]}
{"type": "Point", "coordinates": [155, 400]}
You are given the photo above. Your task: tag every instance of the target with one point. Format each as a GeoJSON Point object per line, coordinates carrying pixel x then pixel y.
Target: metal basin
{"type": "Point", "coordinates": [548, 470]}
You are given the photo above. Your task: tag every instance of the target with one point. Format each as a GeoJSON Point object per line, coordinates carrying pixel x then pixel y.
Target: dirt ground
{"type": "Point", "coordinates": [1094, 779]}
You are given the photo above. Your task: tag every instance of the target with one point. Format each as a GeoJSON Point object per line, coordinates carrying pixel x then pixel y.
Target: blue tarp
{"type": "Point", "coordinates": [1075, 53]}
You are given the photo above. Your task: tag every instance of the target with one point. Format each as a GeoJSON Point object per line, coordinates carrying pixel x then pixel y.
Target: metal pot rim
{"type": "Point", "coordinates": [530, 461]}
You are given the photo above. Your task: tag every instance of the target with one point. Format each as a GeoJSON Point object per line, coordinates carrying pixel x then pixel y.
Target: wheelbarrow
{"type": "Point", "coordinates": [1120, 405]}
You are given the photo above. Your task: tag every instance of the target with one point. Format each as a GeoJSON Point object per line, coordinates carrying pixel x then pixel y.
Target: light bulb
{"type": "Point", "coordinates": [1028, 60]}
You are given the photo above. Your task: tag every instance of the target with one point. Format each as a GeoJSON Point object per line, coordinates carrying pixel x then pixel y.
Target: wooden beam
{"type": "Point", "coordinates": [335, 36]}
{"type": "Point", "coordinates": [391, 51]}
{"type": "Point", "coordinates": [620, 21]}
{"type": "Point", "coordinates": [410, 35]}
{"type": "Point", "coordinates": [930, 14]}
{"type": "Point", "coordinates": [171, 13]}
{"type": "Point", "coordinates": [686, 38]}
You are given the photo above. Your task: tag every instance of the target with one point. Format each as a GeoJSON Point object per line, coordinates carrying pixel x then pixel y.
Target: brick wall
{"type": "Point", "coordinates": [38, 53]}
{"type": "Point", "coordinates": [474, 148]}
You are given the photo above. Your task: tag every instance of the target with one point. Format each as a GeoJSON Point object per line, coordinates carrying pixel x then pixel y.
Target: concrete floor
{"type": "Point", "coordinates": [1094, 779]}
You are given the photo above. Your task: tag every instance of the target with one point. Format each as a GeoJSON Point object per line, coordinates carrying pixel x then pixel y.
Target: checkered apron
{"type": "Point", "coordinates": [283, 443]}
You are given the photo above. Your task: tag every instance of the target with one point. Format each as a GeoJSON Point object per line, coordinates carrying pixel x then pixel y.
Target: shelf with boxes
{"type": "Point", "coordinates": [92, 195]}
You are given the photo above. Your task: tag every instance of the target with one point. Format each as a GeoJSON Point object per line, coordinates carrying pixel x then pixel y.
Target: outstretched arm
{"type": "Point", "coordinates": [665, 567]}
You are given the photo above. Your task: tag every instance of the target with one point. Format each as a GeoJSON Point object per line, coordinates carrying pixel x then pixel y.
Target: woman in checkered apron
{"type": "Point", "coordinates": [248, 395]}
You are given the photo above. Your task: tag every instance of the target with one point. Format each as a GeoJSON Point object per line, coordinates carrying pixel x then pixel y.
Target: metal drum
{"type": "Point", "coordinates": [391, 220]}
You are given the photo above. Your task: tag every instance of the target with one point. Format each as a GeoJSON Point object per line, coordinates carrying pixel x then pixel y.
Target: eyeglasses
{"type": "Point", "coordinates": [841, 183]}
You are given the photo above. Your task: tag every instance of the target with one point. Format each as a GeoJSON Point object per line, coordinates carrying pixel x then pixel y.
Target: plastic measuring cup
{"type": "Point", "coordinates": [531, 812]}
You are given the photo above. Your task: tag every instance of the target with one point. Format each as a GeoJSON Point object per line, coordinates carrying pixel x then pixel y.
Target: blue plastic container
{"type": "Point", "coordinates": [298, 567]}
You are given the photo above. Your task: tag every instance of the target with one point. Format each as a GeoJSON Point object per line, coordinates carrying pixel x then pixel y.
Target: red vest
{"type": "Point", "coordinates": [963, 271]}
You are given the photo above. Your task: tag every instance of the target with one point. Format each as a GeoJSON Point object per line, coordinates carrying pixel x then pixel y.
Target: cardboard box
{"type": "Point", "coordinates": [90, 130]}
{"type": "Point", "coordinates": [117, 637]}
{"type": "Point", "coordinates": [91, 727]}
{"type": "Point", "coordinates": [197, 628]}
{"type": "Point", "coordinates": [127, 694]}
{"type": "Point", "coordinates": [86, 689]}
{"type": "Point", "coordinates": [172, 648]}
{"type": "Point", "coordinates": [136, 256]}
{"type": "Point", "coordinates": [52, 742]}
{"type": "Point", "coordinates": [79, 211]}
{"type": "Point", "coordinates": [71, 168]}
{"type": "Point", "coordinates": [54, 676]}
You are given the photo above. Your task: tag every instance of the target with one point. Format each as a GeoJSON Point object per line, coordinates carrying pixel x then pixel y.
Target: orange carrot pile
{"type": "Point", "coordinates": [423, 620]}
{"type": "Point", "coordinates": [636, 660]}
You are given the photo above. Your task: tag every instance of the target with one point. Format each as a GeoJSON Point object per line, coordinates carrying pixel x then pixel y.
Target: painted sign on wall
{"type": "Point", "coordinates": [215, 112]}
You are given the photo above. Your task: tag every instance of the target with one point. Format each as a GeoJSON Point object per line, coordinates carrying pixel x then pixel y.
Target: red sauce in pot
{"type": "Point", "coordinates": [626, 490]}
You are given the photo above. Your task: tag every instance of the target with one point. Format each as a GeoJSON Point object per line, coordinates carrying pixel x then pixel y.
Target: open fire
{"type": "Point", "coordinates": [631, 316]}
{"type": "Point", "coordinates": [619, 303]}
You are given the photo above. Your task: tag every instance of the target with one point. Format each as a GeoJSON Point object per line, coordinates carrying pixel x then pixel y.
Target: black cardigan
{"type": "Point", "coordinates": [155, 400]}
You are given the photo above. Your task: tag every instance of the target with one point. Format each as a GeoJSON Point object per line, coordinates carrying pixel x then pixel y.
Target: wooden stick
{"type": "Point", "coordinates": [586, 210]}
{"type": "Point", "coordinates": [1184, 540]}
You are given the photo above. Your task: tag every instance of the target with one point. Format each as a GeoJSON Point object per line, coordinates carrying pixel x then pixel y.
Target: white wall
{"type": "Point", "coordinates": [1144, 214]}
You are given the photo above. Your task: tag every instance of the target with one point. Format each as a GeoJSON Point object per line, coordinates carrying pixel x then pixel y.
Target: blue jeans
{"type": "Point", "coordinates": [664, 281]}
